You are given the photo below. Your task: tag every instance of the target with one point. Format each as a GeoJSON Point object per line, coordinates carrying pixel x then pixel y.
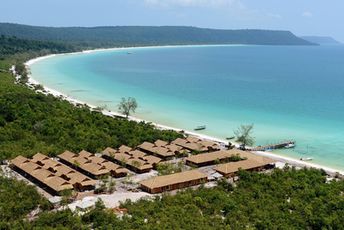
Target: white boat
{"type": "Point", "coordinates": [306, 158]}
{"type": "Point", "coordinates": [289, 146]}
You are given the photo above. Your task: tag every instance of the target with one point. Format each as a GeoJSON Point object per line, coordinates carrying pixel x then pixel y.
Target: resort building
{"type": "Point", "coordinates": [44, 178]}
{"type": "Point", "coordinates": [217, 157]}
{"type": "Point", "coordinates": [91, 165]}
{"type": "Point", "coordinates": [79, 181]}
{"type": "Point", "coordinates": [162, 149]}
{"type": "Point", "coordinates": [255, 163]}
{"type": "Point", "coordinates": [174, 181]}
{"type": "Point", "coordinates": [134, 160]}
{"type": "Point", "coordinates": [196, 145]}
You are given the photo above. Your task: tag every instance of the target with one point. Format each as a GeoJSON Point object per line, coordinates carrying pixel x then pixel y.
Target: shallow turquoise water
{"type": "Point", "coordinates": [288, 92]}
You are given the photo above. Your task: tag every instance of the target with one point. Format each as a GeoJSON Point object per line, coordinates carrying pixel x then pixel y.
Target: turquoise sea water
{"type": "Point", "coordinates": [287, 92]}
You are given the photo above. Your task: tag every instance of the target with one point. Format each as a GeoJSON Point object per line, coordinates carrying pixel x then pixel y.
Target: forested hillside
{"type": "Point", "coordinates": [149, 35]}
{"type": "Point", "coordinates": [286, 199]}
{"type": "Point", "coordinates": [17, 199]}
{"type": "Point", "coordinates": [12, 45]}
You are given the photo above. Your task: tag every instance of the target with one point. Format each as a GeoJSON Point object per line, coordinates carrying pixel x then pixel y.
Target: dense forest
{"type": "Point", "coordinates": [32, 122]}
{"type": "Point", "coordinates": [17, 199]}
{"type": "Point", "coordinates": [149, 35]}
{"type": "Point", "coordinates": [285, 199]}
{"type": "Point", "coordinates": [12, 45]}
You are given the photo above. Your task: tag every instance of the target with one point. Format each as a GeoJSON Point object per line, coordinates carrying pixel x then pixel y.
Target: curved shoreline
{"type": "Point", "coordinates": [56, 93]}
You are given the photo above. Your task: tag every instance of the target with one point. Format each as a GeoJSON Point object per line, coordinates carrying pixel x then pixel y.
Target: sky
{"type": "Point", "coordinates": [302, 17]}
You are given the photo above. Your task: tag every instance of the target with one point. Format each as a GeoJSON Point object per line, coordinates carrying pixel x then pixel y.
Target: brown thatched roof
{"type": "Point", "coordinates": [63, 170]}
{"type": "Point", "coordinates": [212, 156]}
{"type": "Point", "coordinates": [97, 166]}
{"type": "Point", "coordinates": [250, 163]}
{"type": "Point", "coordinates": [41, 174]}
{"type": "Point", "coordinates": [176, 178]}
{"type": "Point", "coordinates": [196, 144]}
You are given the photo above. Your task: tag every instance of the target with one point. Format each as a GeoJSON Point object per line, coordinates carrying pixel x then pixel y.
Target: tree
{"type": "Point", "coordinates": [127, 105]}
{"type": "Point", "coordinates": [169, 168]}
{"type": "Point", "coordinates": [244, 135]}
{"type": "Point", "coordinates": [66, 196]}
{"type": "Point", "coordinates": [136, 164]}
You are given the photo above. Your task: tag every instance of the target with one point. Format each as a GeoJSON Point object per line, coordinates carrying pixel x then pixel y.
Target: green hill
{"type": "Point", "coordinates": [13, 45]}
{"type": "Point", "coordinates": [149, 35]}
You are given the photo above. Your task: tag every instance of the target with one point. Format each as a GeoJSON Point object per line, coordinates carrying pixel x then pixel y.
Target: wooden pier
{"type": "Point", "coordinates": [279, 145]}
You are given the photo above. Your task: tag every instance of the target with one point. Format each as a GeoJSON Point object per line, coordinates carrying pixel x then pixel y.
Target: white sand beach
{"type": "Point", "coordinates": [289, 160]}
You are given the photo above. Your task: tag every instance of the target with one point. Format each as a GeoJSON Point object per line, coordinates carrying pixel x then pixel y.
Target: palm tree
{"type": "Point", "coordinates": [243, 135]}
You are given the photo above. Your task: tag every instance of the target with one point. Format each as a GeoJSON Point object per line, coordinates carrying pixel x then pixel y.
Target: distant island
{"type": "Point", "coordinates": [321, 40]}
{"type": "Point", "coordinates": [149, 35]}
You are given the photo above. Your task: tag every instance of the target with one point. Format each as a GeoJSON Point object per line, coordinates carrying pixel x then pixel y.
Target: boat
{"type": "Point", "coordinates": [230, 138]}
{"type": "Point", "coordinates": [289, 146]}
{"type": "Point", "coordinates": [201, 127]}
{"type": "Point", "coordinates": [306, 159]}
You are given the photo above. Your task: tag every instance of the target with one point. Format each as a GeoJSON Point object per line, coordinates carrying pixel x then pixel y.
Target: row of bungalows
{"type": "Point", "coordinates": [173, 181]}
{"type": "Point", "coordinates": [232, 160]}
{"type": "Point", "coordinates": [251, 163]}
{"type": "Point", "coordinates": [135, 160]}
{"type": "Point", "coordinates": [79, 181]}
{"type": "Point", "coordinates": [195, 144]}
{"type": "Point", "coordinates": [92, 165]}
{"type": "Point", "coordinates": [216, 157]}
{"type": "Point", "coordinates": [163, 149]}
{"type": "Point", "coordinates": [45, 177]}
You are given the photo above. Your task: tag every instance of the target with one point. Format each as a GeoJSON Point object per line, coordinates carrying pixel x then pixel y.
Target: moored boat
{"type": "Point", "coordinates": [306, 159]}
{"type": "Point", "coordinates": [289, 146]}
{"type": "Point", "coordinates": [201, 127]}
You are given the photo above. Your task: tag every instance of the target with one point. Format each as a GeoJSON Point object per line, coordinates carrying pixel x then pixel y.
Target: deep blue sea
{"type": "Point", "coordinates": [287, 92]}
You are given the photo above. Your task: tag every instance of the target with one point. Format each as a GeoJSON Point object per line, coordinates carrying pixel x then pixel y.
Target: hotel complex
{"type": "Point", "coordinates": [81, 171]}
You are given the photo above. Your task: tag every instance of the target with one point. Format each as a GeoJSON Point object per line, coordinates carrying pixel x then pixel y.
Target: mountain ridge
{"type": "Point", "coordinates": [105, 36]}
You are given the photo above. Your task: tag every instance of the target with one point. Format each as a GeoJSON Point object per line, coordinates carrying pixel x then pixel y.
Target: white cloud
{"type": "Point", "coordinates": [307, 14]}
{"type": "Point", "coordinates": [193, 3]}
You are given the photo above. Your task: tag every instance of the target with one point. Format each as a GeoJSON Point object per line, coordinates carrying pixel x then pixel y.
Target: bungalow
{"type": "Point", "coordinates": [162, 149]}
{"type": "Point", "coordinates": [256, 163]}
{"type": "Point", "coordinates": [40, 176]}
{"type": "Point", "coordinates": [91, 165]}
{"type": "Point", "coordinates": [217, 157]}
{"type": "Point", "coordinates": [174, 181]}
{"type": "Point", "coordinates": [134, 160]}
{"type": "Point", "coordinates": [79, 181]}
{"type": "Point", "coordinates": [196, 144]}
